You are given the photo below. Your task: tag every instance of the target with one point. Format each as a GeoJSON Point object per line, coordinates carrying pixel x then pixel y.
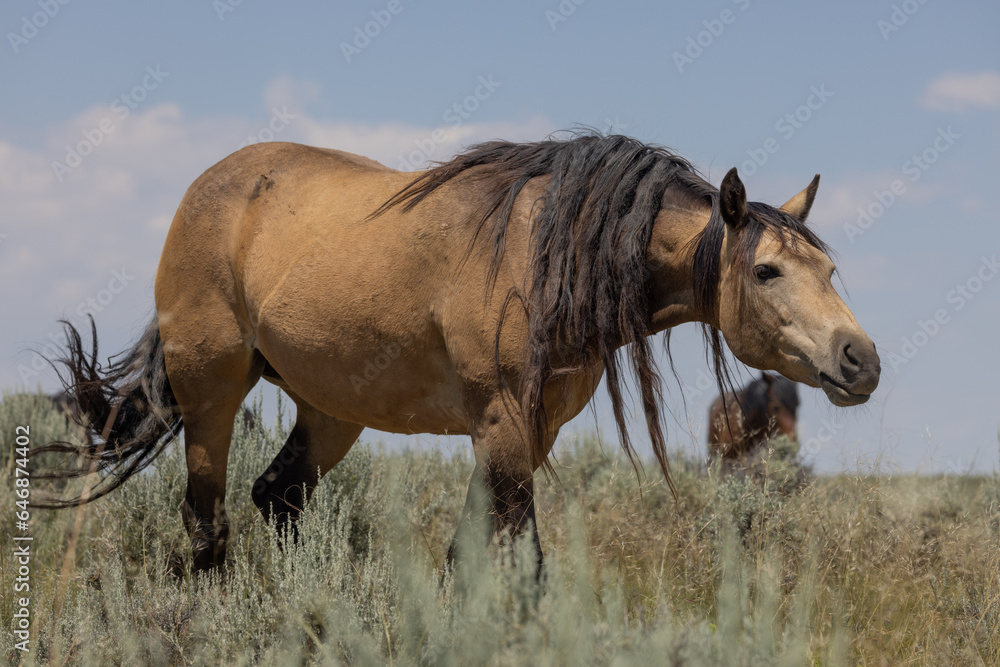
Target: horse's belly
{"type": "Point", "coordinates": [400, 396]}
{"type": "Point", "coordinates": [395, 387]}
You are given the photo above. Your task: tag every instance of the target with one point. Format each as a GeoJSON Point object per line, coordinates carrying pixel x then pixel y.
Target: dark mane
{"type": "Point", "coordinates": [786, 392]}
{"type": "Point", "coordinates": [587, 292]}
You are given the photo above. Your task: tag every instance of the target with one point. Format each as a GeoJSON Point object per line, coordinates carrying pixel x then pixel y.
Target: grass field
{"type": "Point", "coordinates": [783, 568]}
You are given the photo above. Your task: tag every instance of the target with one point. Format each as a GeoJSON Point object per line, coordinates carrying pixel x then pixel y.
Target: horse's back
{"type": "Point", "coordinates": [250, 217]}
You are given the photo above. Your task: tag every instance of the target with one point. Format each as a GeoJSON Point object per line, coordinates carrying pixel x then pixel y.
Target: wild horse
{"type": "Point", "coordinates": [740, 422]}
{"type": "Point", "coordinates": [495, 291]}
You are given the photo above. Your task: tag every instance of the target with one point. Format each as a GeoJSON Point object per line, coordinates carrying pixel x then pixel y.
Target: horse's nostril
{"type": "Point", "coordinates": [851, 359]}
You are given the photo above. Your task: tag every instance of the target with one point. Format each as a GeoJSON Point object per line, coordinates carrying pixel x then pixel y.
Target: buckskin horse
{"type": "Point", "coordinates": [743, 420]}
{"type": "Point", "coordinates": [506, 282]}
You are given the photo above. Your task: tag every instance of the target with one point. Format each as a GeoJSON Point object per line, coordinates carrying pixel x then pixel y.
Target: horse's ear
{"type": "Point", "coordinates": [799, 205]}
{"type": "Point", "coordinates": [733, 200]}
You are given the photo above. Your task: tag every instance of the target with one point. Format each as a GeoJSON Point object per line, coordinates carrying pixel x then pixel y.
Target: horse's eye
{"type": "Point", "coordinates": [765, 272]}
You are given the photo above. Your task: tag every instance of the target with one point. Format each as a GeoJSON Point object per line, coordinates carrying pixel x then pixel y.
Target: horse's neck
{"type": "Point", "coordinates": [671, 263]}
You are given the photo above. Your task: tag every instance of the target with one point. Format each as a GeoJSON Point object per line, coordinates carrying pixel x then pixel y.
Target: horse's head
{"type": "Point", "coordinates": [777, 307]}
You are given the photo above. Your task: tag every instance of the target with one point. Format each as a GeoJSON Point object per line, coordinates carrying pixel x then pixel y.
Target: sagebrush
{"type": "Point", "coordinates": [772, 567]}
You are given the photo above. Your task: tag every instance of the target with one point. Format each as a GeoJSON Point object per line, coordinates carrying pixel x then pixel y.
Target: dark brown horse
{"type": "Point", "coordinates": [490, 293]}
{"type": "Point", "coordinates": [741, 421]}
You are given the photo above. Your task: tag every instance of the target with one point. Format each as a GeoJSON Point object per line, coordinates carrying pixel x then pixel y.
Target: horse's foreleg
{"type": "Point", "coordinates": [498, 503]}
{"type": "Point", "coordinates": [500, 500]}
{"type": "Point", "coordinates": [316, 444]}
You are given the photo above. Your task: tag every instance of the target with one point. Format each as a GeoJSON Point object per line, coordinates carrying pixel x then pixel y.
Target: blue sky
{"type": "Point", "coordinates": [897, 105]}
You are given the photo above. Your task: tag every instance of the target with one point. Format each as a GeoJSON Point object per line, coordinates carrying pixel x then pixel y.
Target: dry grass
{"type": "Point", "coordinates": [778, 568]}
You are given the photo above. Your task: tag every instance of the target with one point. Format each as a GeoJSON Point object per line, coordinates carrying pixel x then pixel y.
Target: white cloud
{"type": "Point", "coordinates": [415, 146]}
{"type": "Point", "coordinates": [837, 202]}
{"type": "Point", "coordinates": [836, 214]}
{"type": "Point", "coordinates": [286, 91]}
{"type": "Point", "coordinates": [111, 211]}
{"type": "Point", "coordinates": [963, 91]}
{"type": "Point", "coordinates": [160, 223]}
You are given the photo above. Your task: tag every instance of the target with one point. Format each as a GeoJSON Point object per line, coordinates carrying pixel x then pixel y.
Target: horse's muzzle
{"type": "Point", "coordinates": [858, 376]}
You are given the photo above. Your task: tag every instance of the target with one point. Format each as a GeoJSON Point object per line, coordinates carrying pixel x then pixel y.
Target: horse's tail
{"type": "Point", "coordinates": [127, 409]}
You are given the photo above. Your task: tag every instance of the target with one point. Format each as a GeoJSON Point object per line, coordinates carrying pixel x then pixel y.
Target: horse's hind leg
{"type": "Point", "coordinates": [210, 376]}
{"type": "Point", "coordinates": [316, 444]}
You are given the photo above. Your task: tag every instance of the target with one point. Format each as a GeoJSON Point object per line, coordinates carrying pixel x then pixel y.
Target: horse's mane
{"type": "Point", "coordinates": [755, 396]}
{"type": "Point", "coordinates": [787, 393]}
{"type": "Point", "coordinates": [587, 292]}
